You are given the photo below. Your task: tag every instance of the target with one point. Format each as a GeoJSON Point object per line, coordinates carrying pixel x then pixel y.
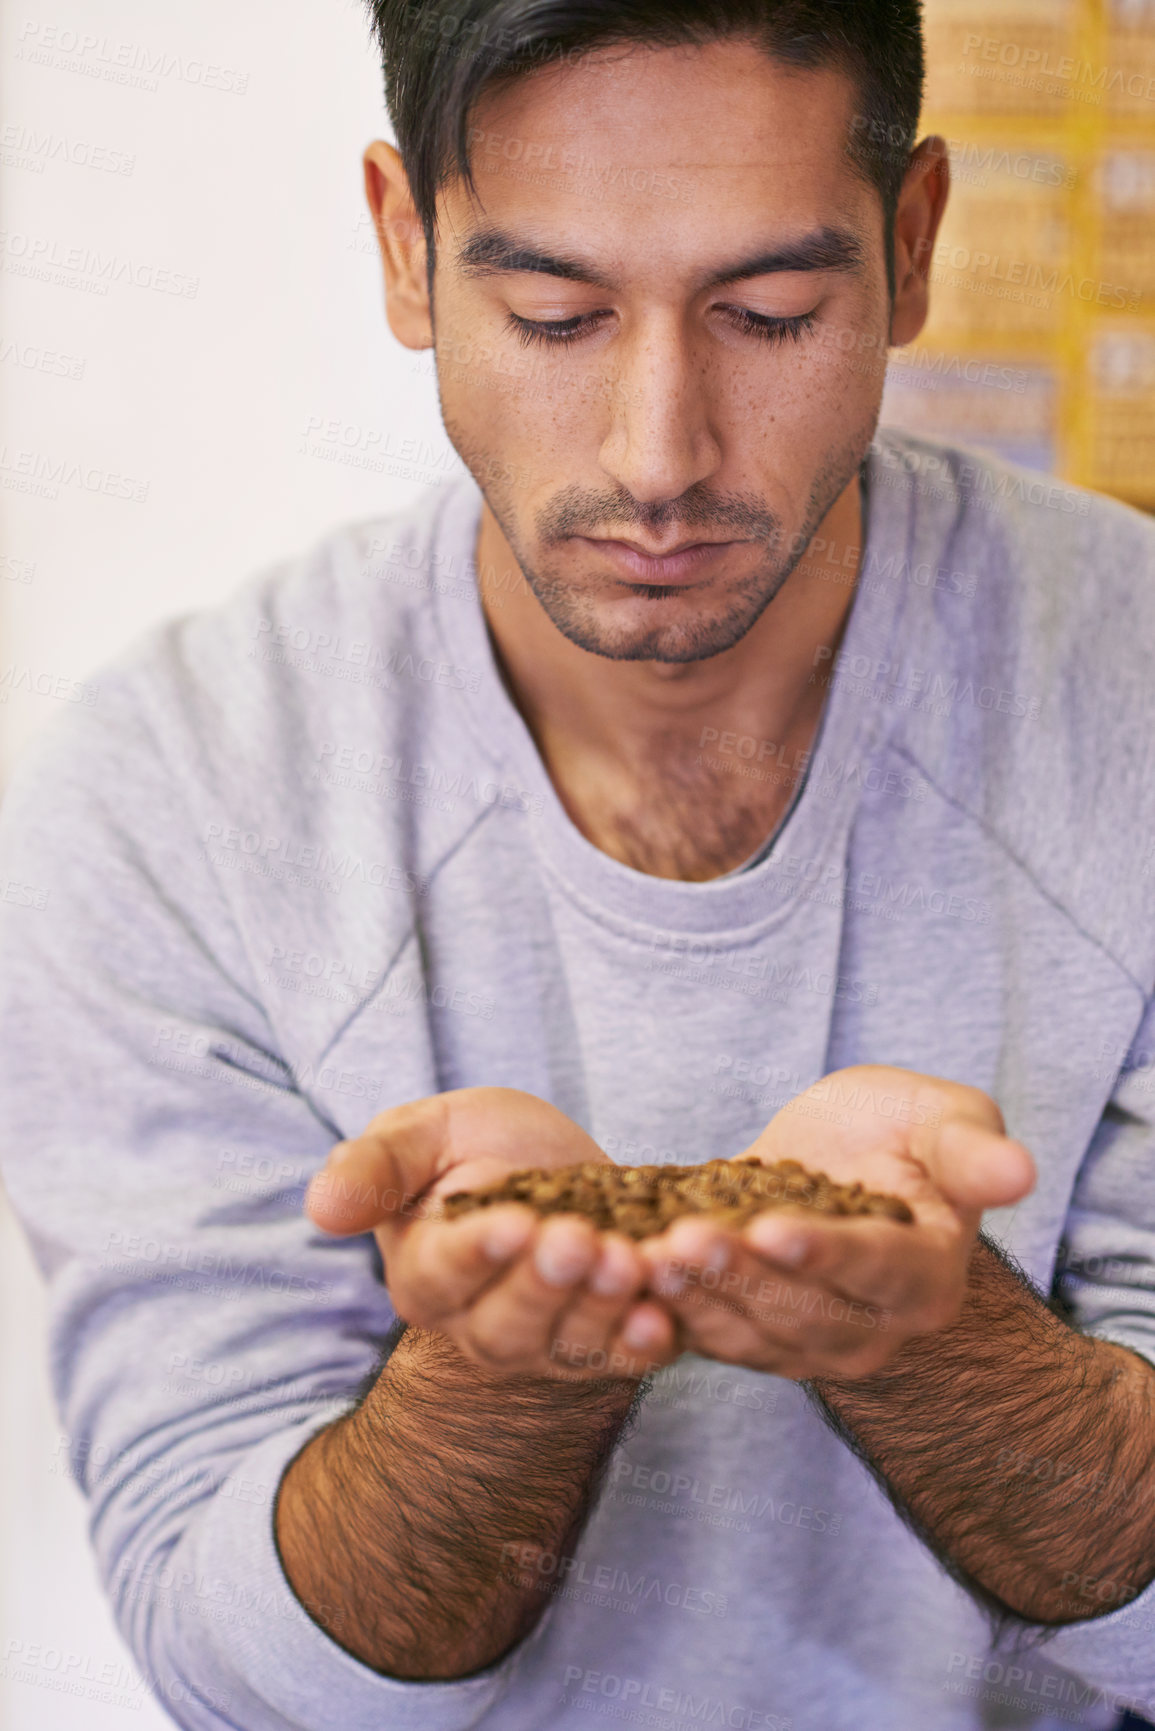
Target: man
{"type": "Point", "coordinates": [707, 772]}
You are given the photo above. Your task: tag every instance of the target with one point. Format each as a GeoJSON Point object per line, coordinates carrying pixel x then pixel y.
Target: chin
{"type": "Point", "coordinates": [691, 638]}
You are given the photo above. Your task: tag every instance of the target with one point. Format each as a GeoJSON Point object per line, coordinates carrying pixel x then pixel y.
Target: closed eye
{"type": "Point", "coordinates": [554, 331]}
{"type": "Point", "coordinates": [561, 332]}
{"type": "Point", "coordinates": [771, 330]}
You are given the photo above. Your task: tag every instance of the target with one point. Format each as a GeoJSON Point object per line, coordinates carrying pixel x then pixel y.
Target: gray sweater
{"type": "Point", "coordinates": [296, 859]}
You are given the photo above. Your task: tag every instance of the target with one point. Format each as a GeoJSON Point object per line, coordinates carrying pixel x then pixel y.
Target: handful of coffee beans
{"type": "Point", "coordinates": [643, 1200]}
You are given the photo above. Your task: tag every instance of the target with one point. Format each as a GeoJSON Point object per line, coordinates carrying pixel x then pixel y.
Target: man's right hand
{"type": "Point", "coordinates": [515, 1293]}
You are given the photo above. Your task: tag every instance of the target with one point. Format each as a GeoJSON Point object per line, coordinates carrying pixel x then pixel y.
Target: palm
{"type": "Point", "coordinates": [873, 1125]}
{"type": "Point", "coordinates": [486, 1133]}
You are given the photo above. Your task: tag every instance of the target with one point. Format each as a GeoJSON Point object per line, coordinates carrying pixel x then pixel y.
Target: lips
{"type": "Point", "coordinates": [686, 563]}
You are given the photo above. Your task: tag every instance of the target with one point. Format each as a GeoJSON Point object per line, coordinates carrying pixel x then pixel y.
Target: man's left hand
{"type": "Point", "coordinates": [837, 1296]}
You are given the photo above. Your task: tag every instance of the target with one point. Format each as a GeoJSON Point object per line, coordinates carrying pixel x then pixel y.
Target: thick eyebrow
{"type": "Point", "coordinates": [492, 252]}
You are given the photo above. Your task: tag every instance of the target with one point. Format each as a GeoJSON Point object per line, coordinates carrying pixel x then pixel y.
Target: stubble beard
{"type": "Point", "coordinates": [581, 618]}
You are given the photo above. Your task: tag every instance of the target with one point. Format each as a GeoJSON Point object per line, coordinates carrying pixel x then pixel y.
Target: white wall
{"type": "Point", "coordinates": [243, 185]}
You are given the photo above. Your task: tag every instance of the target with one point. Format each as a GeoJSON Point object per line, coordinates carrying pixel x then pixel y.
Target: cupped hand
{"type": "Point", "coordinates": [515, 1293]}
{"type": "Point", "coordinates": [838, 1296]}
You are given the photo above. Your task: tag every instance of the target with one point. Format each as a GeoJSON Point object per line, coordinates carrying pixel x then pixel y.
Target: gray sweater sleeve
{"type": "Point", "coordinates": [1105, 1273]}
{"type": "Point", "coordinates": [157, 1152]}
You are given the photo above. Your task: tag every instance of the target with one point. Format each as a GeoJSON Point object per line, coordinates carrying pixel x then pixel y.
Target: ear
{"type": "Point", "coordinates": [402, 242]}
{"type": "Point", "coordinates": [921, 204]}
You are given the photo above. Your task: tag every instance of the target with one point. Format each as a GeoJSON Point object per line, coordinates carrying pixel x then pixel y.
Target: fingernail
{"type": "Point", "coordinates": [669, 1279]}
{"type": "Point", "coordinates": [718, 1259]}
{"type": "Point", "coordinates": [611, 1278]}
{"type": "Point", "coordinates": [639, 1332]}
{"type": "Point", "coordinates": [784, 1243]}
{"type": "Point", "coordinates": [504, 1237]}
{"type": "Point", "coordinates": [560, 1264]}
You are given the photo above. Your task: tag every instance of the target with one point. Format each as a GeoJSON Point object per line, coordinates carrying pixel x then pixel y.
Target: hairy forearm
{"type": "Point", "coordinates": [1018, 1450]}
{"type": "Point", "coordinates": [410, 1529]}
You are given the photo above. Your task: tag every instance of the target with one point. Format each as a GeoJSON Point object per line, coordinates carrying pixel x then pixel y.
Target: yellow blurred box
{"type": "Point", "coordinates": [1046, 260]}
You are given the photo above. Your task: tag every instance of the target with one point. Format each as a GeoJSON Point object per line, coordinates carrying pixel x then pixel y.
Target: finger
{"type": "Point", "coordinates": [975, 1167]}
{"type": "Point", "coordinates": [793, 1329]}
{"type": "Point", "coordinates": [725, 1297]}
{"type": "Point", "coordinates": [598, 1312]}
{"type": "Point", "coordinates": [643, 1341]}
{"type": "Point", "coordinates": [918, 1272]}
{"type": "Point", "coordinates": [373, 1178]}
{"type": "Point", "coordinates": [441, 1267]}
{"type": "Point", "coordinates": [513, 1321]}
{"type": "Point", "coordinates": [722, 1328]}
{"type": "Point", "coordinates": [525, 1321]}
{"type": "Point", "coordinates": [652, 1332]}
{"type": "Point", "coordinates": [736, 1305]}
{"type": "Point", "coordinates": [377, 1177]}
{"type": "Point", "coordinates": [615, 1278]}
{"type": "Point", "coordinates": [802, 1312]}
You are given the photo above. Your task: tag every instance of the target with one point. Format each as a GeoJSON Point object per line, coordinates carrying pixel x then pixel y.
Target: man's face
{"type": "Point", "coordinates": [663, 327]}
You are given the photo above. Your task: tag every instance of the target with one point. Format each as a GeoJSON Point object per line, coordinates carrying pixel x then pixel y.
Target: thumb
{"type": "Point", "coordinates": [376, 1176]}
{"type": "Point", "coordinates": [381, 1175]}
{"type": "Point", "coordinates": [977, 1167]}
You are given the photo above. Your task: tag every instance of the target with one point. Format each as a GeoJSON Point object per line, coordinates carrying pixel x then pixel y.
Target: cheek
{"type": "Point", "coordinates": [802, 398]}
{"type": "Point", "coordinates": [786, 419]}
{"type": "Point", "coordinates": [850, 357]}
{"type": "Point", "coordinates": [516, 406]}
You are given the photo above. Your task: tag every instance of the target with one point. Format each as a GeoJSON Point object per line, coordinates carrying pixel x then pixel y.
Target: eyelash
{"type": "Point", "coordinates": [561, 332]}
{"type": "Point", "coordinates": [773, 330]}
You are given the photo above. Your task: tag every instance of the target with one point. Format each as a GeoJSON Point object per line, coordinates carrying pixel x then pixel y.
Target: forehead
{"type": "Point", "coordinates": [663, 150]}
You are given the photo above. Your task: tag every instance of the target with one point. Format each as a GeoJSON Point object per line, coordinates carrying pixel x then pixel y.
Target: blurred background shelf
{"type": "Point", "coordinates": [1041, 341]}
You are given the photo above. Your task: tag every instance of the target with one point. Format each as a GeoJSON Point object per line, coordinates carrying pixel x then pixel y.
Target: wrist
{"type": "Point", "coordinates": [984, 1320]}
{"type": "Point", "coordinates": [427, 1360]}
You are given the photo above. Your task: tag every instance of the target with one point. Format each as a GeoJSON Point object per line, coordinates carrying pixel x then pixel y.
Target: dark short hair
{"type": "Point", "coordinates": [439, 56]}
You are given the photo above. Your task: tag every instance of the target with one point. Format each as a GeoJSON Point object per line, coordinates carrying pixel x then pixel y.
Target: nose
{"type": "Point", "coordinates": [660, 440]}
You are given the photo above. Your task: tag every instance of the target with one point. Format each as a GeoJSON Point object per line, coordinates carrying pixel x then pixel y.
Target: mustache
{"type": "Point", "coordinates": [585, 511]}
